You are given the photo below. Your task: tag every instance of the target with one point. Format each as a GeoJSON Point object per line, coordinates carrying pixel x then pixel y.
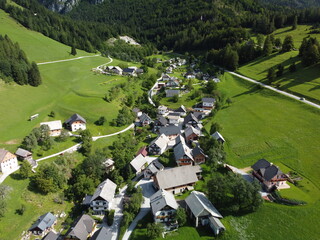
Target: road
{"type": "Point", "coordinates": [147, 191]}
{"type": "Point", "coordinates": [67, 60]}
{"type": "Point", "coordinates": [113, 134]}
{"type": "Point", "coordinates": [275, 90]}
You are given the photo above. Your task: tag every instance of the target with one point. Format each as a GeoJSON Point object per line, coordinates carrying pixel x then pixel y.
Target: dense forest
{"type": "Point", "coordinates": [14, 65]}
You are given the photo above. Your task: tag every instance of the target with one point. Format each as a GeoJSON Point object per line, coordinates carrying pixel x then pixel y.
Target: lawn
{"type": "Point", "coordinates": [263, 124]}
{"type": "Point", "coordinates": [305, 81]}
{"type": "Point", "coordinates": [38, 47]}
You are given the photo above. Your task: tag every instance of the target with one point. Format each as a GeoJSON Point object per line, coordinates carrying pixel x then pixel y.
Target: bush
{"type": "Point", "coordinates": [110, 217]}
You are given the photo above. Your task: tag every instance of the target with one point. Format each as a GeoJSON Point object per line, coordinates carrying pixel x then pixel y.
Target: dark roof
{"type": "Point", "coordinates": [198, 115]}
{"type": "Point", "coordinates": [174, 114]}
{"type": "Point", "coordinates": [208, 100]}
{"type": "Point", "coordinates": [23, 153]}
{"type": "Point", "coordinates": [181, 109]}
{"type": "Point", "coordinates": [50, 236]}
{"type": "Point", "coordinates": [45, 221]}
{"type": "Point", "coordinates": [262, 163]}
{"type": "Point", "coordinates": [170, 130]}
{"type": "Point", "coordinates": [139, 70]}
{"type": "Point", "coordinates": [158, 165]}
{"type": "Point", "coordinates": [162, 120]}
{"type": "Point", "coordinates": [82, 228]}
{"type": "Point", "coordinates": [128, 70]}
{"type": "Point", "coordinates": [198, 150]}
{"type": "Point", "coordinates": [75, 117]}
{"type": "Point", "coordinates": [102, 234]}
{"type": "Point", "coordinates": [189, 118]}
{"type": "Point", "coordinates": [144, 117]}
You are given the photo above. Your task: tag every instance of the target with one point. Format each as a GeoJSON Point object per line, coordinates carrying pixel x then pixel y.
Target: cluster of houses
{"type": "Point", "coordinates": [116, 70]}
{"type": "Point", "coordinates": [175, 63]}
{"type": "Point", "coordinates": [9, 161]}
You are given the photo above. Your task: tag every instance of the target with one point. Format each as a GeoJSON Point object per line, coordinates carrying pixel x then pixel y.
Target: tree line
{"type": "Point", "coordinates": [15, 66]}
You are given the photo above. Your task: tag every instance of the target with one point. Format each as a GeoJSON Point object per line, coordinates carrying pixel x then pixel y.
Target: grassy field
{"type": "Point", "coordinates": [305, 81]}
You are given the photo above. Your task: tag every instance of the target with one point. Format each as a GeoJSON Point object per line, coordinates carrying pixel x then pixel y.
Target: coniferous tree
{"type": "Point", "coordinates": [267, 48]}
{"type": "Point", "coordinates": [73, 50]}
{"type": "Point", "coordinates": [271, 75]}
{"type": "Point", "coordinates": [295, 23]}
{"type": "Point", "coordinates": [287, 44]}
{"type": "Point", "coordinates": [34, 75]}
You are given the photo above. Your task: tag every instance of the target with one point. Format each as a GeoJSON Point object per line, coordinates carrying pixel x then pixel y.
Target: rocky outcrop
{"type": "Point", "coordinates": [64, 6]}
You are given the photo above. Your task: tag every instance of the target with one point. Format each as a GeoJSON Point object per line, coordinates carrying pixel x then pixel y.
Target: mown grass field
{"type": "Point", "coordinates": [305, 81]}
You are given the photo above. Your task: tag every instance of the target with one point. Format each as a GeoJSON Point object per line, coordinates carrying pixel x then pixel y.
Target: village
{"type": "Point", "coordinates": [178, 132]}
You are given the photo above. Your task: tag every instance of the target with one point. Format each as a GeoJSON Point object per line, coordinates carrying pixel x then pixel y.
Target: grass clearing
{"type": "Point", "coordinates": [304, 82]}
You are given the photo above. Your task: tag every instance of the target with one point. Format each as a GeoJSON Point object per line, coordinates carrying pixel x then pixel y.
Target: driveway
{"type": "Point", "coordinates": [147, 191]}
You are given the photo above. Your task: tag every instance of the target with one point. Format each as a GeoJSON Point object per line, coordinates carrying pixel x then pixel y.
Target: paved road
{"type": "Point", "coordinates": [113, 134]}
{"type": "Point", "coordinates": [148, 191]}
{"type": "Point", "coordinates": [274, 89]}
{"type": "Point", "coordinates": [67, 60]}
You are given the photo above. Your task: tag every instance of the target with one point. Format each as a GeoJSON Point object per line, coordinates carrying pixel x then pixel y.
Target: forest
{"type": "Point", "coordinates": [14, 65]}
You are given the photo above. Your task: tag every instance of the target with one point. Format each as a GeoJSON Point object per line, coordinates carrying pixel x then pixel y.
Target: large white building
{"type": "Point", "coordinates": [55, 127]}
{"type": "Point", "coordinates": [75, 123]}
{"type": "Point", "coordinates": [8, 161]}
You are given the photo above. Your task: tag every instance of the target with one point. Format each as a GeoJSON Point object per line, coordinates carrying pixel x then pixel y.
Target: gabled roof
{"type": "Point", "coordinates": [177, 176]}
{"type": "Point", "coordinates": [170, 130]}
{"type": "Point", "coordinates": [108, 162]}
{"type": "Point", "coordinates": [200, 205]}
{"type": "Point", "coordinates": [50, 236]}
{"type": "Point", "coordinates": [45, 221]}
{"type": "Point", "coordinates": [162, 107]}
{"type": "Point", "coordinates": [190, 117]}
{"type": "Point", "coordinates": [262, 163]}
{"type": "Point", "coordinates": [143, 151]}
{"type": "Point", "coordinates": [161, 141]}
{"type": "Point", "coordinates": [144, 117]}
{"type": "Point", "coordinates": [181, 150]}
{"type": "Point", "coordinates": [181, 109]}
{"type": "Point", "coordinates": [198, 115]}
{"type": "Point", "coordinates": [75, 117]}
{"type": "Point", "coordinates": [190, 130]}
{"type": "Point", "coordinates": [3, 153]}
{"type": "Point", "coordinates": [22, 152]}
{"type": "Point", "coordinates": [105, 190]}
{"type": "Point", "coordinates": [161, 199]}
{"type": "Point", "coordinates": [82, 228]}
{"type": "Point", "coordinates": [53, 125]}
{"type": "Point", "coordinates": [162, 120]}
{"type": "Point", "coordinates": [208, 100]}
{"type": "Point", "coordinates": [128, 70]}
{"type": "Point", "coordinates": [197, 151]}
{"type": "Point", "coordinates": [218, 136]}
{"type": "Point", "coordinates": [102, 234]}
{"type": "Point", "coordinates": [138, 162]}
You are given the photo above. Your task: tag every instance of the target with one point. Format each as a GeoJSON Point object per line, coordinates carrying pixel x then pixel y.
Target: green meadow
{"type": "Point", "coordinates": [304, 82]}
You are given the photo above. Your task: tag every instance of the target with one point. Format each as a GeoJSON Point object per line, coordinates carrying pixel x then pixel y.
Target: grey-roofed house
{"type": "Point", "coordinates": [102, 234]}
{"type": "Point", "coordinates": [160, 122]}
{"type": "Point", "coordinates": [144, 120]}
{"type": "Point", "coordinates": [75, 123]}
{"type": "Point", "coordinates": [208, 103]}
{"type": "Point", "coordinates": [181, 110]}
{"type": "Point", "coordinates": [174, 118]}
{"type": "Point", "coordinates": [128, 71]}
{"type": "Point", "coordinates": [50, 236]}
{"type": "Point", "coordinates": [192, 134]}
{"type": "Point", "coordinates": [82, 229]}
{"type": "Point", "coordinates": [269, 175]}
{"type": "Point", "coordinates": [163, 206]}
{"type": "Point", "coordinates": [158, 145]}
{"type": "Point", "coordinates": [183, 154]}
{"type": "Point", "coordinates": [102, 197]}
{"type": "Point", "coordinates": [198, 155]}
{"type": "Point", "coordinates": [108, 165]}
{"type": "Point", "coordinates": [43, 224]}
{"type": "Point", "coordinates": [177, 180]}
{"type": "Point", "coordinates": [162, 110]}
{"type": "Point", "coordinates": [154, 167]}
{"type": "Point", "coordinates": [172, 92]}
{"type": "Point", "coordinates": [173, 83]}
{"type": "Point", "coordinates": [171, 131]}
{"type": "Point", "coordinates": [191, 120]}
{"type": "Point", "coordinates": [200, 210]}
{"type": "Point", "coordinates": [25, 155]}
{"type": "Point", "coordinates": [139, 163]}
{"type": "Point", "coordinates": [218, 137]}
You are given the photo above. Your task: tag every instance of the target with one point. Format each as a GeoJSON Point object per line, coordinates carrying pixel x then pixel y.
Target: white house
{"type": "Point", "coordinates": [54, 127]}
{"type": "Point", "coordinates": [158, 145]}
{"type": "Point", "coordinates": [208, 103]}
{"type": "Point", "coordinates": [163, 206]}
{"type": "Point", "coordinates": [102, 197]}
{"type": "Point", "coordinates": [162, 110]}
{"type": "Point", "coordinates": [8, 161]}
{"type": "Point", "coordinates": [139, 163]}
{"type": "Point", "coordinates": [75, 123]}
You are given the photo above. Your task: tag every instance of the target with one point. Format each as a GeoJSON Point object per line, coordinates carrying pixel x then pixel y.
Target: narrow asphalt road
{"type": "Point", "coordinates": [67, 60]}
{"type": "Point", "coordinates": [274, 89]}
{"type": "Point", "coordinates": [147, 191]}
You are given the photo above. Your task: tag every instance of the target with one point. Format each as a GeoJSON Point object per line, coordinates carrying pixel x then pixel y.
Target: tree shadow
{"type": "Point", "coordinates": [252, 90]}
{"type": "Point", "coordinates": [16, 176]}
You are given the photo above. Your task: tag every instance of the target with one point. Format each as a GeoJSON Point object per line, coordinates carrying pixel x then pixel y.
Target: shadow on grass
{"type": "Point", "coordinates": [253, 89]}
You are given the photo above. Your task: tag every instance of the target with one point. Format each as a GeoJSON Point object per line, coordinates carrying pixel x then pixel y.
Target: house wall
{"type": "Point", "coordinates": [164, 216]}
{"type": "Point", "coordinates": [154, 149]}
{"type": "Point", "coordinates": [55, 133]}
{"type": "Point", "coordinates": [192, 137]}
{"type": "Point", "coordinates": [184, 162]}
{"type": "Point", "coordinates": [78, 125]}
{"type": "Point", "coordinates": [179, 189]}
{"type": "Point", "coordinates": [99, 206]}
{"type": "Point", "coordinates": [8, 163]}
{"type": "Point", "coordinates": [199, 159]}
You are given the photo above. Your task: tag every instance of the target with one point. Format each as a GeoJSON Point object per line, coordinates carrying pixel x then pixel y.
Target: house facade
{"type": "Point", "coordinates": [162, 110]}
{"type": "Point", "coordinates": [55, 127]}
{"type": "Point", "coordinates": [199, 156]}
{"type": "Point", "coordinates": [159, 145]}
{"type": "Point", "coordinates": [183, 154]}
{"type": "Point", "coordinates": [192, 134]}
{"type": "Point", "coordinates": [102, 197]}
{"type": "Point", "coordinates": [163, 206]}
{"type": "Point", "coordinates": [75, 123]}
{"type": "Point", "coordinates": [8, 161]}
{"type": "Point", "coordinates": [208, 103]}
{"type": "Point", "coordinates": [191, 120]}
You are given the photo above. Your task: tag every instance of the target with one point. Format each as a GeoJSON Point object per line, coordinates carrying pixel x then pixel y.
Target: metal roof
{"type": "Point", "coordinates": [22, 152]}
{"type": "Point", "coordinates": [105, 190]}
{"type": "Point", "coordinates": [45, 221]}
{"type": "Point", "coordinates": [161, 199]}
{"type": "Point", "coordinates": [138, 162]}
{"type": "Point", "coordinates": [75, 117]}
{"type": "Point", "coordinates": [53, 125]}
{"type": "Point", "coordinates": [83, 228]}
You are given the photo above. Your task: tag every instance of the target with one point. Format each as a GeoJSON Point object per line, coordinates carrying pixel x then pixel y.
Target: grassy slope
{"type": "Point", "coordinates": [37, 47]}
{"type": "Point", "coordinates": [306, 81]}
